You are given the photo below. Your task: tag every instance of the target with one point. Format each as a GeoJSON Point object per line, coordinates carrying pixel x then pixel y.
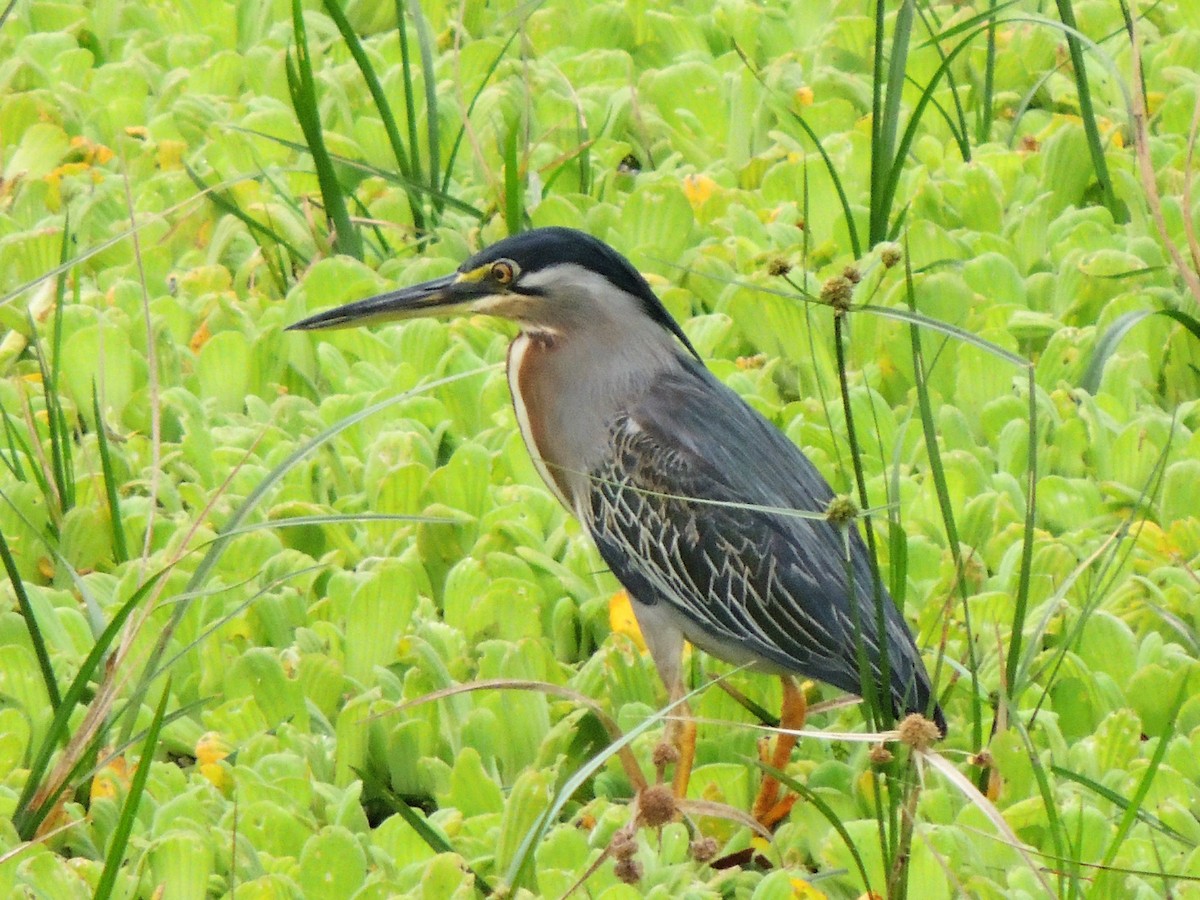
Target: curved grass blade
{"type": "Point", "coordinates": [524, 855]}
{"type": "Point", "coordinates": [369, 169]}
{"type": "Point", "coordinates": [957, 125]}
{"type": "Point", "coordinates": [28, 816]}
{"type": "Point", "coordinates": [31, 624]}
{"type": "Point", "coordinates": [120, 838]}
{"type": "Point", "coordinates": [462, 129]}
{"type": "Point", "coordinates": [221, 541]}
{"type": "Point", "coordinates": [1123, 804]}
{"type": "Point", "coordinates": [1025, 575]}
{"type": "Point", "coordinates": [143, 221]}
{"type": "Point", "coordinates": [420, 825]}
{"type": "Point", "coordinates": [824, 809]}
{"type": "Point", "coordinates": [892, 182]}
{"type": "Point", "coordinates": [969, 23]}
{"type": "Point", "coordinates": [1107, 345]}
{"type": "Point", "coordinates": [855, 243]}
{"type": "Point", "coordinates": [628, 762]}
{"type": "Point", "coordinates": [940, 764]}
{"type": "Point", "coordinates": [410, 102]}
{"type": "Point", "coordinates": [226, 205]}
{"type": "Point", "coordinates": [941, 488]}
{"type": "Point", "coordinates": [879, 712]}
{"type": "Point", "coordinates": [239, 516]}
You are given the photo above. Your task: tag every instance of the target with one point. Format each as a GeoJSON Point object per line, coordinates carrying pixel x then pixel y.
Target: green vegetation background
{"type": "Point", "coordinates": [233, 556]}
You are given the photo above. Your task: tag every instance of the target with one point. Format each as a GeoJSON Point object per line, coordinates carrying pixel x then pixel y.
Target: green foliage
{"type": "Point", "coordinates": [312, 536]}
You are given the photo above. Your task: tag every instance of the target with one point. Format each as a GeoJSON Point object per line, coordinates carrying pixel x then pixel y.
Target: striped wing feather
{"type": "Point", "coordinates": [691, 509]}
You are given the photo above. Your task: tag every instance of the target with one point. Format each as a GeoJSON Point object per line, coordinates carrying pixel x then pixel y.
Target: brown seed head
{"type": "Point", "coordinates": [629, 870]}
{"type": "Point", "coordinates": [623, 843]}
{"type": "Point", "coordinates": [890, 254]}
{"type": "Point", "coordinates": [703, 848]}
{"type": "Point", "coordinates": [657, 805]}
{"type": "Point", "coordinates": [880, 755]}
{"type": "Point", "coordinates": [778, 267]}
{"type": "Point", "coordinates": [851, 274]}
{"type": "Point", "coordinates": [665, 753]}
{"type": "Point", "coordinates": [983, 759]}
{"type": "Point", "coordinates": [918, 732]}
{"type": "Point", "coordinates": [841, 511]}
{"type": "Point", "coordinates": [837, 292]}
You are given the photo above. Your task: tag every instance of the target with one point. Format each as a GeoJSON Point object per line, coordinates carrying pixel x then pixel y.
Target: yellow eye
{"type": "Point", "coordinates": [503, 272]}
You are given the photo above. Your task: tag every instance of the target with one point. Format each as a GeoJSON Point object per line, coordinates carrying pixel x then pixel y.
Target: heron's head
{"type": "Point", "coordinates": [553, 281]}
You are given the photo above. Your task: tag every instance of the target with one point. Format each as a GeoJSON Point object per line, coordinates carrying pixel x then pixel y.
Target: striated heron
{"type": "Point", "coordinates": [685, 488]}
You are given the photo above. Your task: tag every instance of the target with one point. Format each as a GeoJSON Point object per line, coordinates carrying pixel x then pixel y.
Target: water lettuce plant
{"type": "Point", "coordinates": [295, 617]}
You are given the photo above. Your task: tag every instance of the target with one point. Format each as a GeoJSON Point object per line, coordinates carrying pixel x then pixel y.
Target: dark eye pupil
{"type": "Point", "coordinates": [502, 273]}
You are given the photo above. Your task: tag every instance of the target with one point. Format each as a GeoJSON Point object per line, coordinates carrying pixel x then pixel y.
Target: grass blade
{"type": "Point", "coordinates": [856, 247]}
{"type": "Point", "coordinates": [31, 624]}
{"type": "Point", "coordinates": [385, 174]}
{"type": "Point", "coordinates": [120, 550]}
{"type": "Point", "coordinates": [120, 837]}
{"type": "Point", "coordinates": [429, 78]}
{"type": "Point", "coordinates": [938, 473]}
{"type": "Point", "coordinates": [29, 814]}
{"type": "Point", "coordinates": [379, 98]}
{"type": "Point", "coordinates": [885, 111]}
{"type": "Point", "coordinates": [420, 825]}
{"type": "Point", "coordinates": [524, 855]}
{"type": "Point", "coordinates": [1087, 112]}
{"type": "Point", "coordinates": [1025, 575]}
{"type": "Point", "coordinates": [462, 129]}
{"type": "Point", "coordinates": [824, 809]}
{"type": "Point", "coordinates": [410, 102]}
{"type": "Point", "coordinates": [1123, 804]}
{"type": "Point", "coordinates": [1134, 806]}
{"type": "Point", "coordinates": [258, 229]}
{"type": "Point", "coordinates": [1107, 345]}
{"type": "Point", "coordinates": [231, 527]}
{"type": "Point", "coordinates": [303, 92]}
{"type": "Point", "coordinates": [513, 215]}
{"type": "Point", "coordinates": [985, 112]}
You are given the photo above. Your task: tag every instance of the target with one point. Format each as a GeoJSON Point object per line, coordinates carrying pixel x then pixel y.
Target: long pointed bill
{"type": "Point", "coordinates": [450, 294]}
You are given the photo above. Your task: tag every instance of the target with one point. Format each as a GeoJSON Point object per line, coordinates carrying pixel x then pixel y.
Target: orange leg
{"type": "Point", "coordinates": [679, 743]}
{"type": "Point", "coordinates": [768, 808]}
{"type": "Point", "coordinates": [682, 734]}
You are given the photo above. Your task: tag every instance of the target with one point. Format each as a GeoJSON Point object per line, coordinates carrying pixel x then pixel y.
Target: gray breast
{"type": "Point", "coordinates": [567, 393]}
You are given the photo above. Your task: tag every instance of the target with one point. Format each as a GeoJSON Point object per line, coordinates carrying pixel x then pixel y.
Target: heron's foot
{"type": "Point", "coordinates": [772, 804]}
{"type": "Point", "coordinates": [770, 808]}
{"type": "Point", "coordinates": [770, 818]}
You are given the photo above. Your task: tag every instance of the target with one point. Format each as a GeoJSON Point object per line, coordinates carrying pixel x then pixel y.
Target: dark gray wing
{"type": "Point", "coordinates": [745, 584]}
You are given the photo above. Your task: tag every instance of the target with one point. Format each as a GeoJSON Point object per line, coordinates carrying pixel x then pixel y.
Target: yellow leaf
{"type": "Point", "coordinates": [211, 748]}
{"type": "Point", "coordinates": [218, 774]}
{"type": "Point", "coordinates": [622, 620]}
{"type": "Point", "coordinates": [802, 890]}
{"type": "Point", "coordinates": [697, 189]}
{"type": "Point", "coordinates": [109, 780]}
{"type": "Point", "coordinates": [170, 154]}
{"type": "Point", "coordinates": [200, 337]}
